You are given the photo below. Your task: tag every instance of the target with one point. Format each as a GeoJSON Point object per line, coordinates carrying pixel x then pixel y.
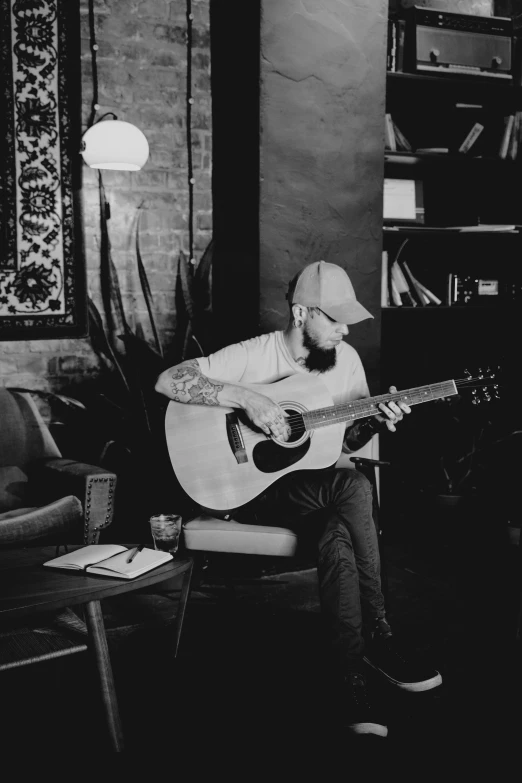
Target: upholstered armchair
{"type": "Point", "coordinates": [45, 498]}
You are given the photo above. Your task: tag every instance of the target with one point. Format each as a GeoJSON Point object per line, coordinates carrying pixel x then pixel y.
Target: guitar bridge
{"type": "Point", "coordinates": [235, 438]}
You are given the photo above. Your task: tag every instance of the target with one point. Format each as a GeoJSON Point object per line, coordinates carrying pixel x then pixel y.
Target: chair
{"type": "Point", "coordinates": [205, 534]}
{"type": "Point", "coordinates": [45, 498]}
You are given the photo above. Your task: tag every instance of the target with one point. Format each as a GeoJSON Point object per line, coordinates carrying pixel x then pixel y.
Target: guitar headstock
{"type": "Point", "coordinates": [484, 384]}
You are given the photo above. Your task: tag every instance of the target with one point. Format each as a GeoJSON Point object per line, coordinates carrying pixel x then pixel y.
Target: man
{"type": "Point", "coordinates": [335, 503]}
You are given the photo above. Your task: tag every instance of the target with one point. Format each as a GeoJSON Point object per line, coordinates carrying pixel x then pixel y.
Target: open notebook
{"type": "Point", "coordinates": [110, 560]}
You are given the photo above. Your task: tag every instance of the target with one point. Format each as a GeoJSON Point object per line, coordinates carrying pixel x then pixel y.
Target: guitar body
{"type": "Point", "coordinates": [223, 462]}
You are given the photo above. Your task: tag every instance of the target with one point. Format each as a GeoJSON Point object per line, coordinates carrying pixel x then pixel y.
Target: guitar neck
{"type": "Point", "coordinates": [360, 409]}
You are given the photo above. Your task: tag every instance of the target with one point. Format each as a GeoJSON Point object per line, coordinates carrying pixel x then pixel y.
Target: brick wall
{"type": "Point", "coordinates": [141, 75]}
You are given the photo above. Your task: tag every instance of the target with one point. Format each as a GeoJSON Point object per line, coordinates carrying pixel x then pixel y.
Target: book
{"type": "Point", "coordinates": [471, 138]}
{"type": "Point", "coordinates": [395, 296]}
{"type": "Point", "coordinates": [391, 45]}
{"type": "Point", "coordinates": [430, 296]}
{"type": "Point", "coordinates": [433, 150]}
{"type": "Point", "coordinates": [400, 33]}
{"type": "Point", "coordinates": [401, 142]}
{"type": "Point", "coordinates": [513, 140]}
{"type": "Point", "coordinates": [401, 284]}
{"type": "Point", "coordinates": [389, 133]}
{"type": "Point", "coordinates": [506, 136]}
{"type": "Point", "coordinates": [385, 296]}
{"type": "Point", "coordinates": [487, 227]}
{"type": "Point", "coordinates": [110, 560]}
{"type": "Point", "coordinates": [395, 44]}
{"type": "Point", "coordinates": [518, 128]}
{"type": "Point", "coordinates": [415, 291]}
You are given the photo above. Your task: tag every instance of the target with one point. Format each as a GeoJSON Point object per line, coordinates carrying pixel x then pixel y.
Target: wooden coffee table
{"type": "Point", "coordinates": [28, 588]}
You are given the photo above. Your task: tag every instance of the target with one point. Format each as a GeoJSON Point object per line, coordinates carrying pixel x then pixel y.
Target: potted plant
{"type": "Point", "coordinates": [478, 451]}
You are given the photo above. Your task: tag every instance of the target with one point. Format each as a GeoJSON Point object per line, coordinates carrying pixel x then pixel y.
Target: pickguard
{"type": "Point", "coordinates": [269, 457]}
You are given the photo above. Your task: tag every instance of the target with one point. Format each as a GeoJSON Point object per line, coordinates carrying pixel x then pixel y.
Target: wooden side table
{"type": "Point", "coordinates": [28, 588]}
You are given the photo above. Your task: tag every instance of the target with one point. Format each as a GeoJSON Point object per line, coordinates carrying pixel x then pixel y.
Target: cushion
{"type": "Point", "coordinates": [24, 435]}
{"type": "Point", "coordinates": [57, 519]}
{"type": "Point", "coordinates": [13, 488]}
{"type": "Point", "coordinates": [210, 534]}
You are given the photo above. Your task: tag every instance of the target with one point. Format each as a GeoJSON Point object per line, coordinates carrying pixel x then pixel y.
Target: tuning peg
{"type": "Point", "coordinates": [467, 374]}
{"type": "Point", "coordinates": [475, 401]}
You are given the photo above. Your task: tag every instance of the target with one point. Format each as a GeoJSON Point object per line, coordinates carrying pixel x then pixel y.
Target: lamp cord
{"type": "Point", "coordinates": [190, 101]}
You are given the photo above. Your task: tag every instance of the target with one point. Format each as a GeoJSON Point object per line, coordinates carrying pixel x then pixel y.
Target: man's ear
{"type": "Point", "coordinates": [299, 312]}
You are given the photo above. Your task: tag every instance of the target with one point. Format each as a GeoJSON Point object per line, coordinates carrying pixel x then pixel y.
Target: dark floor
{"type": "Point", "coordinates": [252, 671]}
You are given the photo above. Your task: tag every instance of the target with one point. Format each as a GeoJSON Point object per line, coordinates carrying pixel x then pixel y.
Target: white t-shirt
{"type": "Point", "coordinates": [266, 359]}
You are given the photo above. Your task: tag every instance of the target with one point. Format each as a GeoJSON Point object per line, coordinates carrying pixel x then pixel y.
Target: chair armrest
{"type": "Point", "coordinates": [93, 486]}
{"type": "Point", "coordinates": [377, 463]}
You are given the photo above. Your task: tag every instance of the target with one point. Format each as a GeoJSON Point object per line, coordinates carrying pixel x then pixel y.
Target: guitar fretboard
{"type": "Point", "coordinates": [360, 409]}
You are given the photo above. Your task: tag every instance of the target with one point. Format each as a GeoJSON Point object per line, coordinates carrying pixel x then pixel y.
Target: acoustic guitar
{"type": "Point", "coordinates": [222, 460]}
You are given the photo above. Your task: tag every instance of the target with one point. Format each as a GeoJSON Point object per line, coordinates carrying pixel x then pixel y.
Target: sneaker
{"type": "Point", "coordinates": [360, 714]}
{"type": "Point", "coordinates": [384, 654]}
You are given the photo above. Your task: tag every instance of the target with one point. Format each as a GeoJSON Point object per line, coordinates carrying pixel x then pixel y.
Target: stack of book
{"type": "Point", "coordinates": [395, 51]}
{"type": "Point", "coordinates": [401, 288]}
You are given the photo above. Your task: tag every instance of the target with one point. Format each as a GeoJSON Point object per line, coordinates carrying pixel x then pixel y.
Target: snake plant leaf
{"type": "Point", "coordinates": [109, 283]}
{"type": "Point", "coordinates": [145, 287]}
{"type": "Point", "coordinates": [100, 341]}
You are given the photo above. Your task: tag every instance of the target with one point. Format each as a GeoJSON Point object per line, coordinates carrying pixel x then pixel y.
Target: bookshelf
{"type": "Point", "coordinates": [468, 198]}
{"type": "Point", "coordinates": [428, 343]}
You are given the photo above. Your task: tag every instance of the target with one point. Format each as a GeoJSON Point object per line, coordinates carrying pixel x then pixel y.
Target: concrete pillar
{"type": "Point", "coordinates": [322, 96]}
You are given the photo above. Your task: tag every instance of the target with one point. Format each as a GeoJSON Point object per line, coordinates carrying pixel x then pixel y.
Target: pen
{"type": "Point", "coordinates": [133, 553]}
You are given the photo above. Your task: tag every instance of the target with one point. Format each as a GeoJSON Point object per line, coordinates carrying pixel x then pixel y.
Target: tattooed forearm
{"type": "Point", "coordinates": [186, 383]}
{"type": "Point", "coordinates": [189, 385]}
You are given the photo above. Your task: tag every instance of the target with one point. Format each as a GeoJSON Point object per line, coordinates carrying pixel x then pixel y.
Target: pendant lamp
{"type": "Point", "coordinates": [114, 144]}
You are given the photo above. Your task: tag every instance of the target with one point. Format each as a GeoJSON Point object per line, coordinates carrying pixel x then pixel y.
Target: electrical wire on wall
{"type": "Point", "coordinates": [109, 287]}
{"type": "Point", "coordinates": [189, 104]}
{"type": "Point", "coordinates": [94, 64]}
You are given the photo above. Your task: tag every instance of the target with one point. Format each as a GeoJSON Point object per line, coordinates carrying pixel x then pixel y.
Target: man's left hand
{"type": "Point", "coordinates": [393, 412]}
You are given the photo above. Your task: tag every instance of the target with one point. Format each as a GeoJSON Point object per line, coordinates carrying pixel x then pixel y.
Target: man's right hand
{"type": "Point", "coordinates": [265, 414]}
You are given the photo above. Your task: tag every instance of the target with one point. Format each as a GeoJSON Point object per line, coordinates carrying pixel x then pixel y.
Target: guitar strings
{"type": "Point", "coordinates": [297, 419]}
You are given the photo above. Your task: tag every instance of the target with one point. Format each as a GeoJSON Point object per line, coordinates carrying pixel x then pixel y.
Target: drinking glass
{"type": "Point", "coordinates": [166, 530]}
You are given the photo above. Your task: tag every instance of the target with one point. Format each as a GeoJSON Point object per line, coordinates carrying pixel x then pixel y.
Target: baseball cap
{"type": "Point", "coordinates": [328, 287]}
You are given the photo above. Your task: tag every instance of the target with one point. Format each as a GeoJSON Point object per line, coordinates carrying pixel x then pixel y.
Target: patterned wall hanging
{"type": "Point", "coordinates": [42, 271]}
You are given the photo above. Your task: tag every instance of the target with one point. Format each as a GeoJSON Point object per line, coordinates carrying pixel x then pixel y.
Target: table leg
{"type": "Point", "coordinates": [182, 605]}
{"type": "Point", "coordinates": [98, 642]}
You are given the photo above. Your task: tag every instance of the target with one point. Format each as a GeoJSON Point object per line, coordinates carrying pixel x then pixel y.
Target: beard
{"type": "Point", "coordinates": [318, 359]}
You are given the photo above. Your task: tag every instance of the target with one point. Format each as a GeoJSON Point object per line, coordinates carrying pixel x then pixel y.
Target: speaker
{"type": "Point", "coordinates": [446, 42]}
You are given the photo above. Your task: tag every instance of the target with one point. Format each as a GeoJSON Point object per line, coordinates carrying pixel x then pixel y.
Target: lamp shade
{"type": "Point", "coordinates": [114, 144]}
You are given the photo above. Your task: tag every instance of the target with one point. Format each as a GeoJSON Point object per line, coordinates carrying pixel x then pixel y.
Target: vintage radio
{"type": "Point", "coordinates": [474, 290]}
{"type": "Point", "coordinates": [444, 42]}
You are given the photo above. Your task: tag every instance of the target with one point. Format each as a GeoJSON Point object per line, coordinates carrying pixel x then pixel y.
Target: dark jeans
{"type": "Point", "coordinates": [334, 508]}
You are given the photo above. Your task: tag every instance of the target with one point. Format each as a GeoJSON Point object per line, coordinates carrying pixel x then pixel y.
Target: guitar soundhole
{"type": "Point", "coordinates": [269, 457]}
{"type": "Point", "coordinates": [297, 426]}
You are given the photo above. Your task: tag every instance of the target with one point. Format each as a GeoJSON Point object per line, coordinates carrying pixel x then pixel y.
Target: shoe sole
{"type": "Point", "coordinates": [413, 687]}
{"type": "Point", "coordinates": [370, 728]}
